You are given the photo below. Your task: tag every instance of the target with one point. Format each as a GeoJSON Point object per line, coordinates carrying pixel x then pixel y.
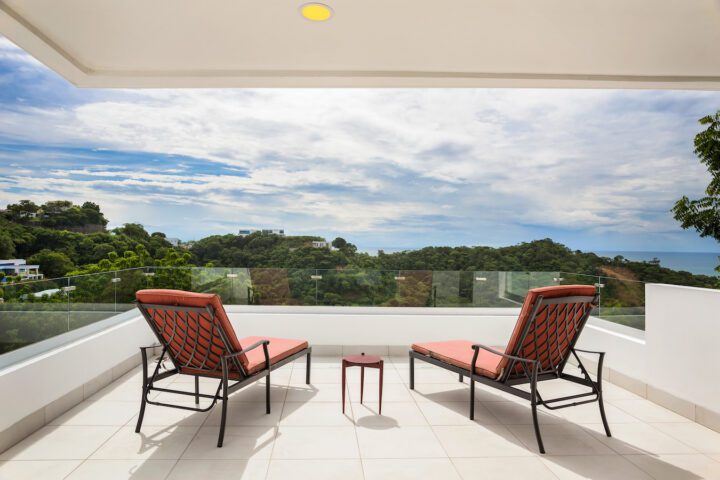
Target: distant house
{"type": "Point", "coordinates": [266, 231]}
{"type": "Point", "coordinates": [173, 241]}
{"type": "Point", "coordinates": [17, 267]}
{"type": "Point", "coordinates": [320, 244]}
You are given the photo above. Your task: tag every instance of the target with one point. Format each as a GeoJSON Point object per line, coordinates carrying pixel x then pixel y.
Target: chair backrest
{"type": "Point", "coordinates": [549, 324]}
{"type": "Point", "coordinates": [193, 327]}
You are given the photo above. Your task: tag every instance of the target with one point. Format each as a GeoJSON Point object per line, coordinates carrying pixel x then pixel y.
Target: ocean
{"type": "Point", "coordinates": [701, 263]}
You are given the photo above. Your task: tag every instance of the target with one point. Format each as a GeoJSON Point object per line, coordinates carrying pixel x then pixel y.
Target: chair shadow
{"type": "Point", "coordinates": [651, 461]}
{"type": "Point", "coordinates": [155, 440]}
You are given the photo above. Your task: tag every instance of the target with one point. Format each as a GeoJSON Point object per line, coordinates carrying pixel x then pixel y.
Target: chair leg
{"type": "Point", "coordinates": [267, 393]}
{"type": "Point", "coordinates": [221, 436]}
{"type": "Point", "coordinates": [197, 390]}
{"type": "Point", "coordinates": [307, 368]}
{"type": "Point", "coordinates": [533, 404]}
{"type": "Point", "coordinates": [602, 415]}
{"type": "Point", "coordinates": [143, 400]}
{"type": "Point", "coordinates": [472, 399]}
{"type": "Point", "coordinates": [412, 372]}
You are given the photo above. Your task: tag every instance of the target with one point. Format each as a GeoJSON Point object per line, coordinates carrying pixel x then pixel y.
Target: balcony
{"type": "Point", "coordinates": [71, 392]}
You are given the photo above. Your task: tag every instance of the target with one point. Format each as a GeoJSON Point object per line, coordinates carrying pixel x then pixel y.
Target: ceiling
{"type": "Point", "coordinates": [373, 43]}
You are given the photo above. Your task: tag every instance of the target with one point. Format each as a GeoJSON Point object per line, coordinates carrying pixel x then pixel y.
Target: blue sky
{"type": "Point", "coordinates": [596, 170]}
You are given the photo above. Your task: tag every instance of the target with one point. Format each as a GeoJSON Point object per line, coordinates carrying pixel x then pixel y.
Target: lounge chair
{"type": "Point", "coordinates": [195, 333]}
{"type": "Point", "coordinates": [539, 348]}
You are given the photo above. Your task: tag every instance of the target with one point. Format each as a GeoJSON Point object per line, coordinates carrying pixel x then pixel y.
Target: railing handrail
{"type": "Point", "coordinates": [352, 269]}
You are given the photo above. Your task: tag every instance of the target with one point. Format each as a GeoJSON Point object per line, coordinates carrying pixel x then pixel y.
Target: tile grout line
{"type": "Point", "coordinates": [414, 399]}
{"type": "Point", "coordinates": [277, 427]}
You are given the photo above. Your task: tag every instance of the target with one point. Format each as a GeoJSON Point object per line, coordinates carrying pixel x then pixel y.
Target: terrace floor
{"type": "Point", "coordinates": [421, 434]}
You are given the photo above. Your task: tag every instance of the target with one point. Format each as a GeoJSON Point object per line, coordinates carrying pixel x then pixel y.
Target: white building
{"type": "Point", "coordinates": [320, 244]}
{"type": "Point", "coordinates": [265, 231]}
{"type": "Point", "coordinates": [19, 268]}
{"type": "Point", "coordinates": [173, 241]}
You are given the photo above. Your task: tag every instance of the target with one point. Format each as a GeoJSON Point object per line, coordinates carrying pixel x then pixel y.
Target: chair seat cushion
{"type": "Point", "coordinates": [278, 349]}
{"type": "Point", "coordinates": [460, 353]}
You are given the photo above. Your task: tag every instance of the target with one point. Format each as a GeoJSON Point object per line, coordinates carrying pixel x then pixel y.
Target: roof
{"type": "Point", "coordinates": [373, 43]}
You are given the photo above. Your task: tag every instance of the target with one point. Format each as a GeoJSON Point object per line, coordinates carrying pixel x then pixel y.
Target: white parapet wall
{"type": "Point", "coordinates": [683, 338]}
{"type": "Point", "coordinates": [374, 326]}
{"type": "Point", "coordinates": [37, 389]}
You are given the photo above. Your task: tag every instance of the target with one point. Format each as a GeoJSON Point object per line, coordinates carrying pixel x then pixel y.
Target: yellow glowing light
{"type": "Point", "coordinates": [317, 12]}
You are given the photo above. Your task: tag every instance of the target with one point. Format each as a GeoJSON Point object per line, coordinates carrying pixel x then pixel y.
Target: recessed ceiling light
{"type": "Point", "coordinates": [317, 12]}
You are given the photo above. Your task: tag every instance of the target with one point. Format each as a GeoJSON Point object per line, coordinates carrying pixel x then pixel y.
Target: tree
{"type": "Point", "coordinates": [52, 264]}
{"type": "Point", "coordinates": [703, 214]}
{"type": "Point", "coordinates": [7, 247]}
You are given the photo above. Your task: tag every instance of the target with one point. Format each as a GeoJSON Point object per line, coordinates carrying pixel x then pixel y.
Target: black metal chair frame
{"type": "Point", "coordinates": [532, 371]}
{"type": "Point", "coordinates": [225, 387]}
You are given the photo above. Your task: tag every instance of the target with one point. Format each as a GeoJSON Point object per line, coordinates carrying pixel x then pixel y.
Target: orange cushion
{"type": "Point", "coordinates": [192, 299]}
{"type": "Point", "coordinates": [460, 354]}
{"type": "Point", "coordinates": [513, 347]}
{"type": "Point", "coordinates": [278, 349]}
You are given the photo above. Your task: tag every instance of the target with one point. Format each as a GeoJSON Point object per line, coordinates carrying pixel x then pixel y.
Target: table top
{"type": "Point", "coordinates": [362, 359]}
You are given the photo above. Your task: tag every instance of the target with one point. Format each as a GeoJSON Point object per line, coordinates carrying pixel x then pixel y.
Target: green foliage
{"type": "Point", "coordinates": [59, 214]}
{"type": "Point", "coordinates": [703, 214]}
{"type": "Point", "coordinates": [54, 264]}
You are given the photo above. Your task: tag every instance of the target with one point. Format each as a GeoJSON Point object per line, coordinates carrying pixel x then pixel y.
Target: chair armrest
{"type": "Point", "coordinates": [151, 346]}
{"type": "Point", "coordinates": [264, 344]}
{"type": "Point", "coordinates": [247, 349]}
{"type": "Point", "coordinates": [589, 351]}
{"type": "Point", "coordinates": [477, 347]}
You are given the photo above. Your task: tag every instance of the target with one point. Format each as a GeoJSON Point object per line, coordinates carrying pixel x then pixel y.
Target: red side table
{"type": "Point", "coordinates": [362, 361]}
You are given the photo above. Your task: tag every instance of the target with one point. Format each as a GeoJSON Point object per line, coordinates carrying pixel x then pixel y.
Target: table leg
{"type": "Point", "coordinates": [381, 386]}
{"type": "Point", "coordinates": [362, 383]}
{"type": "Point", "coordinates": [343, 386]}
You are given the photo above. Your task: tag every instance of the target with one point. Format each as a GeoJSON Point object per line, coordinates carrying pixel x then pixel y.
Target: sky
{"type": "Point", "coordinates": [597, 170]}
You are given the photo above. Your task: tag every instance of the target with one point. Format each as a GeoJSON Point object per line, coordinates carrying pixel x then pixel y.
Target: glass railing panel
{"type": "Point", "coordinates": [127, 283]}
{"type": "Point", "coordinates": [356, 288]}
{"type": "Point", "coordinates": [622, 302]}
{"type": "Point", "coordinates": [452, 289]}
{"type": "Point", "coordinates": [31, 312]}
{"type": "Point", "coordinates": [413, 288]}
{"type": "Point", "coordinates": [218, 280]}
{"type": "Point", "coordinates": [174, 278]}
{"type": "Point", "coordinates": [272, 286]}
{"type": "Point", "coordinates": [489, 289]}
{"type": "Point", "coordinates": [92, 298]}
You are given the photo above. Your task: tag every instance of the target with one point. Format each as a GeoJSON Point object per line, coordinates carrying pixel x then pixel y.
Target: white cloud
{"type": "Point", "coordinates": [368, 160]}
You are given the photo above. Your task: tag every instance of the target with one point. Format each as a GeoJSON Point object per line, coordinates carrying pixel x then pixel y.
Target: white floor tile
{"type": "Point", "coordinates": [638, 438]}
{"type": "Point", "coordinates": [240, 443]}
{"type": "Point", "coordinates": [503, 467]}
{"type": "Point", "coordinates": [648, 411]}
{"type": "Point", "coordinates": [60, 443]}
{"type": "Point", "coordinates": [698, 437]}
{"type": "Point", "coordinates": [394, 414]}
{"type": "Point", "coordinates": [316, 443]}
{"type": "Point", "coordinates": [155, 442]}
{"type": "Point", "coordinates": [480, 441]}
{"type": "Point", "coordinates": [513, 413]}
{"type": "Point", "coordinates": [322, 414]}
{"type": "Point", "coordinates": [677, 467]}
{"type": "Point", "coordinates": [253, 469]}
{"type": "Point", "coordinates": [321, 392]}
{"type": "Point", "coordinates": [315, 470]}
{"type": "Point", "coordinates": [392, 392]}
{"type": "Point", "coordinates": [37, 469]}
{"type": "Point", "coordinates": [401, 442]}
{"type": "Point", "coordinates": [109, 413]}
{"type": "Point", "coordinates": [413, 469]}
{"type": "Point", "coordinates": [603, 467]}
{"type": "Point", "coordinates": [456, 413]}
{"type": "Point", "coordinates": [122, 470]}
{"type": "Point", "coordinates": [566, 439]}
{"type": "Point", "coordinates": [246, 414]}
{"type": "Point", "coordinates": [165, 416]}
